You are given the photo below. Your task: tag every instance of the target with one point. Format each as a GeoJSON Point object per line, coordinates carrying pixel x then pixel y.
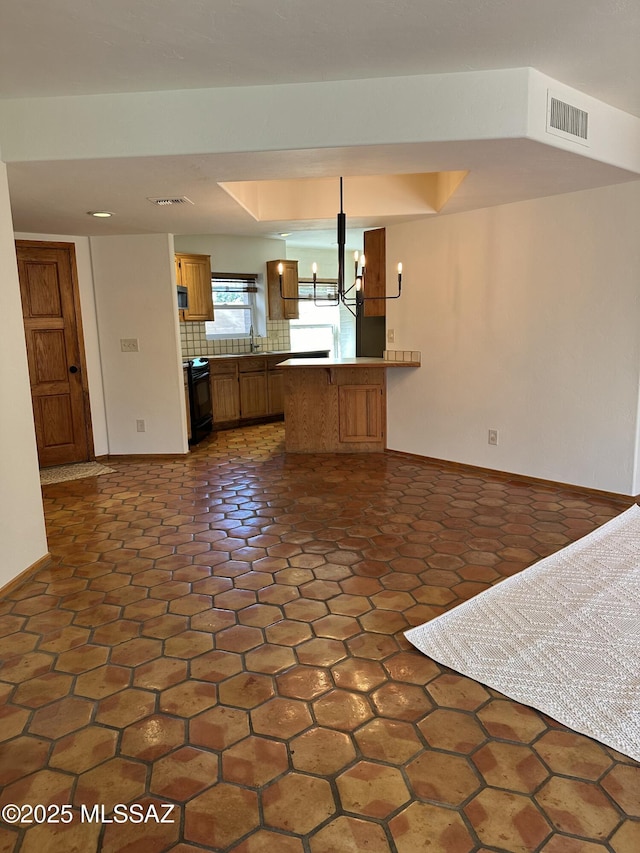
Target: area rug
{"type": "Point", "coordinates": [61, 473]}
{"type": "Point", "coordinates": [563, 636]}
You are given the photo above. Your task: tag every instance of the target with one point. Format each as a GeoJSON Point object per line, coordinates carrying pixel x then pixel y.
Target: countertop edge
{"type": "Point", "coordinates": [293, 363]}
{"type": "Point", "coordinates": [260, 354]}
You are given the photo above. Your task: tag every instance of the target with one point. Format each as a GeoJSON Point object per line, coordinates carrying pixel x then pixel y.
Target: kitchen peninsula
{"type": "Point", "coordinates": [336, 405]}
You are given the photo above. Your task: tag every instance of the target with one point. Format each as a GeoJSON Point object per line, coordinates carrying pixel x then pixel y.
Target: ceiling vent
{"type": "Point", "coordinates": [567, 121]}
{"type": "Point", "coordinates": [165, 202]}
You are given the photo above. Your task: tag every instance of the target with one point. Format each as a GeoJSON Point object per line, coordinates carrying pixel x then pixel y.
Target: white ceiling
{"type": "Point", "coordinates": [90, 46]}
{"type": "Point", "coordinates": [74, 47]}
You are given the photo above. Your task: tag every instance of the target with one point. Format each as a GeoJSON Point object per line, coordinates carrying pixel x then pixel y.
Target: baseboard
{"type": "Point", "coordinates": [24, 576]}
{"type": "Point", "coordinates": [140, 457]}
{"type": "Point", "coordinates": [519, 478]}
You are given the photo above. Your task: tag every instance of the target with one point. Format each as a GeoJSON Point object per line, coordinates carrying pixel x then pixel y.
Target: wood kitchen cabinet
{"type": "Point", "coordinates": [275, 391]}
{"type": "Point", "coordinates": [253, 387]}
{"type": "Point", "coordinates": [361, 413]}
{"type": "Point", "coordinates": [194, 273]}
{"type": "Point", "coordinates": [225, 398]}
{"type": "Point", "coordinates": [283, 309]}
{"type": "Point", "coordinates": [375, 280]}
{"type": "Point", "coordinates": [336, 405]}
{"type": "Point", "coordinates": [239, 389]}
{"type": "Point", "coordinates": [248, 388]}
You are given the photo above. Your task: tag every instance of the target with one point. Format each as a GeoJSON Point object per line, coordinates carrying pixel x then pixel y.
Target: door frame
{"type": "Point", "coordinates": [75, 293]}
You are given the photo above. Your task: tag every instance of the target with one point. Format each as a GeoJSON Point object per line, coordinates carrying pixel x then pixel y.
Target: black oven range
{"type": "Point", "coordinates": [198, 376]}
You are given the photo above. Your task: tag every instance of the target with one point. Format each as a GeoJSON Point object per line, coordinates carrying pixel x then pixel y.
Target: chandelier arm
{"type": "Point", "coordinates": [349, 309]}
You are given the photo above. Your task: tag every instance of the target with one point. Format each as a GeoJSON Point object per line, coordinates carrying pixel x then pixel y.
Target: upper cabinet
{"type": "Point", "coordinates": [283, 309]}
{"type": "Point", "coordinates": [375, 273]}
{"type": "Point", "coordinates": [194, 273]}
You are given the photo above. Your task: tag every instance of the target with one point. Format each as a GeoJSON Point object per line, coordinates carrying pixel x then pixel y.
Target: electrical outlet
{"type": "Point", "coordinates": [493, 436]}
{"type": "Point", "coordinates": [391, 336]}
{"type": "Point", "coordinates": [129, 344]}
{"type": "Point", "coordinates": [140, 426]}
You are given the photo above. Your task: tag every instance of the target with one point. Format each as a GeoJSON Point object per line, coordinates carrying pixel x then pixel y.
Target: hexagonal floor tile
{"type": "Point", "coordinates": [350, 835]}
{"type": "Point", "coordinates": [322, 751]}
{"type": "Point", "coordinates": [511, 766]}
{"type": "Point", "coordinates": [386, 740]}
{"type": "Point", "coordinates": [84, 749]}
{"type": "Point", "coordinates": [298, 803]}
{"type": "Point", "coordinates": [447, 779]}
{"type": "Point", "coordinates": [371, 789]}
{"type": "Point", "coordinates": [510, 721]}
{"type": "Point", "coordinates": [219, 728]}
{"type": "Point", "coordinates": [577, 807]}
{"type": "Point", "coordinates": [184, 773]}
{"type": "Point", "coordinates": [281, 718]}
{"type": "Point", "coordinates": [572, 754]}
{"type": "Point", "coordinates": [342, 710]}
{"type": "Point", "coordinates": [442, 828]}
{"type": "Point", "coordinates": [247, 690]}
{"type": "Point", "coordinates": [254, 761]}
{"type": "Point", "coordinates": [152, 737]}
{"type": "Point", "coordinates": [505, 820]}
{"type": "Point", "coordinates": [235, 810]}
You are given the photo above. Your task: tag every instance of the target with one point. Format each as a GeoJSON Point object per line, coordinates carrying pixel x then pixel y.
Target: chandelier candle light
{"type": "Point", "coordinates": [352, 297]}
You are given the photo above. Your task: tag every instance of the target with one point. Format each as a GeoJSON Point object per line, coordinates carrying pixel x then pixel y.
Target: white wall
{"type": "Point", "coordinates": [89, 331]}
{"type": "Point", "coordinates": [22, 533]}
{"type": "Point", "coordinates": [528, 319]}
{"type": "Point", "coordinates": [233, 254]}
{"type": "Point", "coordinates": [135, 292]}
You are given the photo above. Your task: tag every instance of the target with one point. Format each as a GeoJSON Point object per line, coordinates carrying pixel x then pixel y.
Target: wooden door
{"type": "Point", "coordinates": [55, 351]}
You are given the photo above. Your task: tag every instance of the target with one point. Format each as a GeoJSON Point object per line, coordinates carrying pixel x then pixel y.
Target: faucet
{"type": "Point", "coordinates": [253, 346]}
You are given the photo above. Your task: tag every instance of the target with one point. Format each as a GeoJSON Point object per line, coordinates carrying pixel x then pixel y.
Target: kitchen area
{"type": "Point", "coordinates": [237, 334]}
{"type": "Point", "coordinates": [235, 330]}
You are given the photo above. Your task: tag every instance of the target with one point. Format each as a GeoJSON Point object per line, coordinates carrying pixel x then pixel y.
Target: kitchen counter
{"type": "Point", "coordinates": [336, 405]}
{"type": "Point", "coordinates": [311, 354]}
{"type": "Point", "coordinates": [299, 361]}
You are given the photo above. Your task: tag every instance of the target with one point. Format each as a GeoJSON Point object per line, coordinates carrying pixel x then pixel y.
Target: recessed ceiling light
{"type": "Point", "coordinates": [286, 234]}
{"type": "Point", "coordinates": [101, 214]}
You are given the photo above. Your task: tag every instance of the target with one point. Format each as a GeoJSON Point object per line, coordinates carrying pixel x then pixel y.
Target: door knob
{"type": "Point", "coordinates": [73, 369]}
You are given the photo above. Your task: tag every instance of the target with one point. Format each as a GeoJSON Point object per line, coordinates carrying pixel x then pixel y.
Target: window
{"type": "Point", "coordinates": [233, 305]}
{"type": "Point", "coordinates": [318, 326]}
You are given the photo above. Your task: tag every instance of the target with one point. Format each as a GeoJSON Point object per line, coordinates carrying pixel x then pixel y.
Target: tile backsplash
{"type": "Point", "coordinates": [194, 342]}
{"type": "Point", "coordinates": [402, 355]}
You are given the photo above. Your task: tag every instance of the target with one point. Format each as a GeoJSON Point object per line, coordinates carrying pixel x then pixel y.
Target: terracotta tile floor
{"type": "Point", "coordinates": [225, 634]}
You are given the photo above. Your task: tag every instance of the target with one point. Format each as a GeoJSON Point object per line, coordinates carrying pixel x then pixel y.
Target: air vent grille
{"type": "Point", "coordinates": [566, 119]}
{"type": "Point", "coordinates": [165, 202]}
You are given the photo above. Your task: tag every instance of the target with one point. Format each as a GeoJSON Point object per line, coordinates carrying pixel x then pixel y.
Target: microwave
{"type": "Point", "coordinates": [183, 297]}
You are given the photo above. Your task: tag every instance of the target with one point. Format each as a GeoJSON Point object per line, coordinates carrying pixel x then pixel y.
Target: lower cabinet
{"type": "Point", "coordinates": [337, 409]}
{"type": "Point", "coordinates": [225, 398]}
{"type": "Point", "coordinates": [275, 391]}
{"type": "Point", "coordinates": [240, 390]}
{"type": "Point", "coordinates": [253, 395]}
{"type": "Point", "coordinates": [252, 387]}
{"type": "Point", "coordinates": [360, 413]}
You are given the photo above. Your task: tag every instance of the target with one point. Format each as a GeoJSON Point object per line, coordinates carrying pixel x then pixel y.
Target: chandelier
{"type": "Point", "coordinates": [353, 297]}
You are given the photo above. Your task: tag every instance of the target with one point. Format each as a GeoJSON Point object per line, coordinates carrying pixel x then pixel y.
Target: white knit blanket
{"type": "Point", "coordinates": [562, 636]}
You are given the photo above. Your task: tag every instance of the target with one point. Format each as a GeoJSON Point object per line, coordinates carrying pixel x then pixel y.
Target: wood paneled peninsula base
{"type": "Point", "coordinates": [336, 405]}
